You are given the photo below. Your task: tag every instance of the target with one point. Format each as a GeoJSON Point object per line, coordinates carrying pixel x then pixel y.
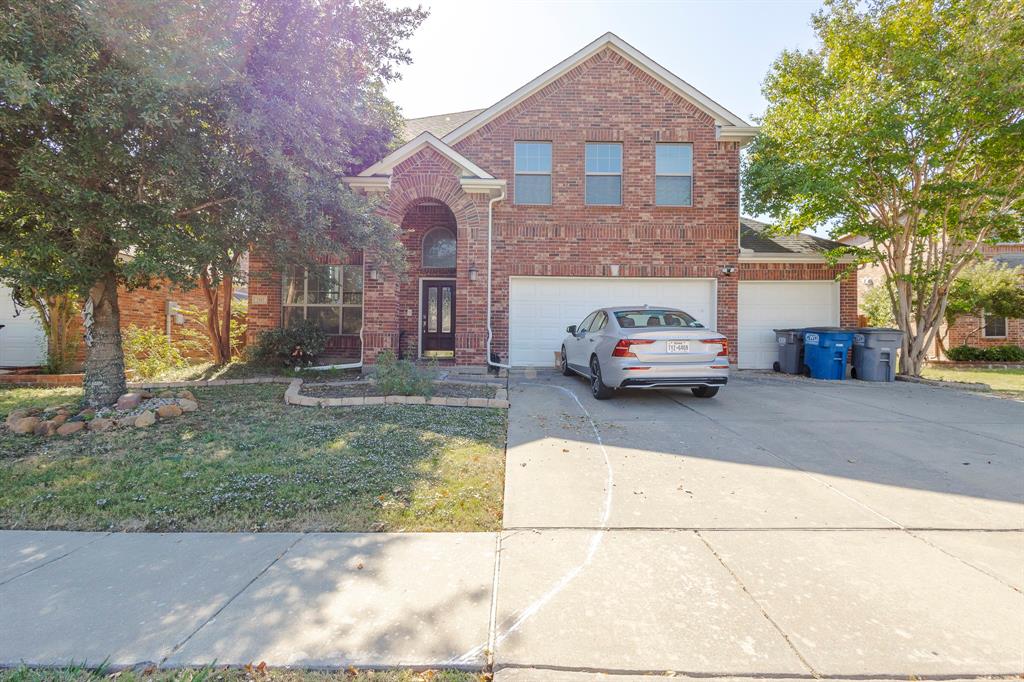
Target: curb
{"type": "Point", "coordinates": [293, 397]}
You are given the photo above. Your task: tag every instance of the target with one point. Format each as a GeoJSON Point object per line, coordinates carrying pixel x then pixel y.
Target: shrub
{"type": "Point", "coordinates": [1005, 353]}
{"type": "Point", "coordinates": [149, 352]}
{"type": "Point", "coordinates": [401, 377]}
{"type": "Point", "coordinates": [297, 345]}
{"type": "Point", "coordinates": [877, 306]}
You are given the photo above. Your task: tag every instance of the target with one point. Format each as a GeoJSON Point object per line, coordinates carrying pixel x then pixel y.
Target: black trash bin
{"type": "Point", "coordinates": [791, 351]}
{"type": "Point", "coordinates": [874, 353]}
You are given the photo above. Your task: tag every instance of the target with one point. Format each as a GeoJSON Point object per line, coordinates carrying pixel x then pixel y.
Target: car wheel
{"type": "Point", "coordinates": [564, 364]}
{"type": "Point", "coordinates": [597, 387]}
{"type": "Point", "coordinates": [705, 391]}
{"type": "Point", "coordinates": [776, 366]}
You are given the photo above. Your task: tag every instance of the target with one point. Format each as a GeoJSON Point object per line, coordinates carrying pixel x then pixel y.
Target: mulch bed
{"type": "Point", "coordinates": [441, 390]}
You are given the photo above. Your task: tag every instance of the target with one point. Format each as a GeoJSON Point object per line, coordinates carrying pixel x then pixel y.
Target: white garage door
{"type": "Point", "coordinates": [22, 343]}
{"type": "Point", "coordinates": [766, 306]}
{"type": "Point", "coordinates": [540, 308]}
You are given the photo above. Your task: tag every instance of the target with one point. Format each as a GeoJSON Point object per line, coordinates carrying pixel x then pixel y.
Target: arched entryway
{"type": "Point", "coordinates": [427, 325]}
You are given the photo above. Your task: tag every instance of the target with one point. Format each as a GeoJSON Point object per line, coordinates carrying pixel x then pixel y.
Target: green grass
{"type": "Point", "coordinates": [73, 674]}
{"type": "Point", "coordinates": [11, 398]}
{"type": "Point", "coordinates": [1006, 381]}
{"type": "Point", "coordinates": [247, 370]}
{"type": "Point", "coordinates": [245, 461]}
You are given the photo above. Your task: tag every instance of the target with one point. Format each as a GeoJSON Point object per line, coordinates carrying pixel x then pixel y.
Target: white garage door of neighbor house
{"type": "Point", "coordinates": [540, 308]}
{"type": "Point", "coordinates": [766, 306]}
{"type": "Point", "coordinates": [22, 343]}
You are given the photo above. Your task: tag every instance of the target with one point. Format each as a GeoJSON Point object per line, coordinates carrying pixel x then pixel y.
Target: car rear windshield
{"type": "Point", "coordinates": [655, 318]}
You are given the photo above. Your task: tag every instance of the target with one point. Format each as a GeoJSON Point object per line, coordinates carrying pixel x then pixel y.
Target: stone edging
{"type": "Point", "coordinates": [975, 364]}
{"type": "Point", "coordinates": [200, 383]}
{"type": "Point", "coordinates": [292, 397]}
{"type": "Point", "coordinates": [962, 385]}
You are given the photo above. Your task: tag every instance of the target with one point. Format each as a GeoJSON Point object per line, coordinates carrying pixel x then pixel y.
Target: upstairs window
{"type": "Point", "coordinates": [439, 248]}
{"type": "Point", "coordinates": [995, 327]}
{"type": "Point", "coordinates": [604, 174]}
{"type": "Point", "coordinates": [673, 170]}
{"type": "Point", "coordinates": [533, 173]}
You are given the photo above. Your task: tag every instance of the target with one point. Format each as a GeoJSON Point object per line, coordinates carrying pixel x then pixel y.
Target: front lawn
{"type": "Point", "coordinates": [1004, 381]}
{"type": "Point", "coordinates": [246, 461]}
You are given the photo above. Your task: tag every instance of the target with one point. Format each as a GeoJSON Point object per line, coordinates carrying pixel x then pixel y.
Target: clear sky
{"type": "Point", "coordinates": [469, 54]}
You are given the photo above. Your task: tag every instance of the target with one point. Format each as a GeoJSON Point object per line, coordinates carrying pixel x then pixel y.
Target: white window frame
{"type": "Point", "coordinates": [341, 305]}
{"type": "Point", "coordinates": [672, 175]}
{"type": "Point", "coordinates": [984, 327]}
{"type": "Point", "coordinates": [423, 248]}
{"type": "Point", "coordinates": [620, 174]}
{"type": "Point", "coordinates": [516, 173]}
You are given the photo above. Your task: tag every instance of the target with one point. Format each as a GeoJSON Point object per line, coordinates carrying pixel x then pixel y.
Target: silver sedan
{"type": "Point", "coordinates": [645, 347]}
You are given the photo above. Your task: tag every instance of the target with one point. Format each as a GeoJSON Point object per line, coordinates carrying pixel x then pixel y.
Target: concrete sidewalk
{"type": "Point", "coordinates": [388, 599]}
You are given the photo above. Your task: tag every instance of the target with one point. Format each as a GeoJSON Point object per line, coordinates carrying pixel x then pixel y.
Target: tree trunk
{"type": "Point", "coordinates": [104, 362]}
{"type": "Point", "coordinates": [212, 319]}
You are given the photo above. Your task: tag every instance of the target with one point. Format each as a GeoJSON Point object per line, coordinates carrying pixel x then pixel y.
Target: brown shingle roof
{"type": "Point", "coordinates": [439, 125]}
{"type": "Point", "coordinates": [755, 236]}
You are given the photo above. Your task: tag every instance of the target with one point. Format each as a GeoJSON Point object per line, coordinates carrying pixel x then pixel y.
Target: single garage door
{"type": "Point", "coordinates": [22, 343]}
{"type": "Point", "coordinates": [766, 306]}
{"type": "Point", "coordinates": [540, 308]}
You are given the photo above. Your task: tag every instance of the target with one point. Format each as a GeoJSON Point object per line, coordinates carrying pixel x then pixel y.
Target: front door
{"type": "Point", "coordinates": [437, 319]}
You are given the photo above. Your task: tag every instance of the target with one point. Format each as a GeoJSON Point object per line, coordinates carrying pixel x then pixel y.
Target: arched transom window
{"type": "Point", "coordinates": [439, 248]}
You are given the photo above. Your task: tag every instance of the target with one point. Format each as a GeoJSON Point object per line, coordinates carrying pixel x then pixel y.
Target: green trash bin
{"type": "Point", "coordinates": [874, 353]}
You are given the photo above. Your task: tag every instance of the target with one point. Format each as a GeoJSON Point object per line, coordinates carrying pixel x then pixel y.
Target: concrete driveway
{"type": "Point", "coordinates": [788, 527]}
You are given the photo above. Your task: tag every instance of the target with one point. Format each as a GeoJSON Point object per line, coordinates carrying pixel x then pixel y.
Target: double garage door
{"type": "Point", "coordinates": [540, 308]}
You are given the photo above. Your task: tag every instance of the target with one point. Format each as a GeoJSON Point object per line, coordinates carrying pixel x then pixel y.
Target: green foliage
{"type": "Point", "coordinates": [903, 126]}
{"type": "Point", "coordinates": [183, 133]}
{"type": "Point", "coordinates": [876, 304]}
{"type": "Point", "coordinates": [149, 352]}
{"type": "Point", "coordinates": [987, 286]}
{"type": "Point", "coordinates": [1006, 353]}
{"type": "Point", "coordinates": [401, 377]}
{"type": "Point", "coordinates": [297, 345]}
{"type": "Point", "coordinates": [199, 338]}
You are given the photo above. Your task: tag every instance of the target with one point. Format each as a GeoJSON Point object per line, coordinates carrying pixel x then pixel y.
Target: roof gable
{"type": "Point", "coordinates": [425, 139]}
{"type": "Point", "coordinates": [732, 127]}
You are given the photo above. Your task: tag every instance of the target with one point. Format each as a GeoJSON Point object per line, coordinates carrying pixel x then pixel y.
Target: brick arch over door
{"type": "Point", "coordinates": [411, 190]}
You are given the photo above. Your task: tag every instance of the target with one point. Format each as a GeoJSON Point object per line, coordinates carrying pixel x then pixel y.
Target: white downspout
{"type": "Point", "coordinates": [490, 237]}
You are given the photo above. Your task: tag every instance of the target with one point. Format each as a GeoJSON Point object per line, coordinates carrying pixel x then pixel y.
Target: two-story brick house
{"type": "Point", "coordinates": [607, 180]}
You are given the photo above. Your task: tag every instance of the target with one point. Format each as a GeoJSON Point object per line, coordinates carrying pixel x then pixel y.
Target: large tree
{"type": "Point", "coordinates": [142, 141]}
{"type": "Point", "coordinates": [905, 126]}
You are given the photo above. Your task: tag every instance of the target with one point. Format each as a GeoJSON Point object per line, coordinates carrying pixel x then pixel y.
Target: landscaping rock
{"type": "Point", "coordinates": [147, 418]}
{"type": "Point", "coordinates": [167, 411]}
{"type": "Point", "coordinates": [70, 428]}
{"type": "Point", "coordinates": [87, 413]}
{"type": "Point", "coordinates": [46, 428]}
{"type": "Point", "coordinates": [165, 394]}
{"type": "Point", "coordinates": [60, 418]}
{"type": "Point", "coordinates": [101, 424]}
{"type": "Point", "coordinates": [187, 395]}
{"type": "Point", "coordinates": [129, 401]}
{"type": "Point", "coordinates": [25, 425]}
{"type": "Point", "coordinates": [16, 415]}
{"type": "Point", "coordinates": [188, 405]}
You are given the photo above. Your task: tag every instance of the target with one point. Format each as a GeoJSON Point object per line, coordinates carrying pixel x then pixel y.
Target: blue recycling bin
{"type": "Point", "coordinates": [825, 350]}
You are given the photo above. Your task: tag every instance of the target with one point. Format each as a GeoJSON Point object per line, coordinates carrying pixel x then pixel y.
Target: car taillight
{"type": "Point", "coordinates": [725, 345]}
{"type": "Point", "coordinates": [622, 347]}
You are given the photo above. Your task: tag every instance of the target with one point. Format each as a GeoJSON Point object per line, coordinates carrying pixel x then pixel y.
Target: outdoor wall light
{"type": "Point", "coordinates": [614, 270]}
{"type": "Point", "coordinates": [728, 270]}
{"type": "Point", "coordinates": [472, 273]}
{"type": "Point", "coordinates": [374, 273]}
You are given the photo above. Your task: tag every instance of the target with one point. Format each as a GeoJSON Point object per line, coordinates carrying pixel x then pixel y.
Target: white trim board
{"type": "Point", "coordinates": [425, 139]}
{"type": "Point", "coordinates": [732, 127]}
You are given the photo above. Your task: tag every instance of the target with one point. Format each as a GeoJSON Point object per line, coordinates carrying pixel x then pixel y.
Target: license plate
{"type": "Point", "coordinates": [678, 346]}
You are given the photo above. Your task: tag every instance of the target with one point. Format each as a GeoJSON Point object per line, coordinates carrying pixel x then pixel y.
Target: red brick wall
{"type": "Point", "coordinates": [147, 309]}
{"type": "Point", "coordinates": [968, 328]}
{"type": "Point", "coordinates": [806, 272]}
{"type": "Point", "coordinates": [606, 98]}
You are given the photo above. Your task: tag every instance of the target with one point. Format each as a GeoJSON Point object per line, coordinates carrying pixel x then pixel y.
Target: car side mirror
{"type": "Point", "coordinates": [571, 329]}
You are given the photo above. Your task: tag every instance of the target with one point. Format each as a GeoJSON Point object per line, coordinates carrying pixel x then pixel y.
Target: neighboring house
{"type": "Point", "coordinates": [605, 181]}
{"type": "Point", "coordinates": [23, 343]}
{"type": "Point", "coordinates": [968, 329]}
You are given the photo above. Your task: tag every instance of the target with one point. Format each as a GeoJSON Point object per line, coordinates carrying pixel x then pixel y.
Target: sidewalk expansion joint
{"type": "Point", "coordinates": [53, 560]}
{"type": "Point", "coordinates": [760, 606]}
{"type": "Point", "coordinates": [177, 647]}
